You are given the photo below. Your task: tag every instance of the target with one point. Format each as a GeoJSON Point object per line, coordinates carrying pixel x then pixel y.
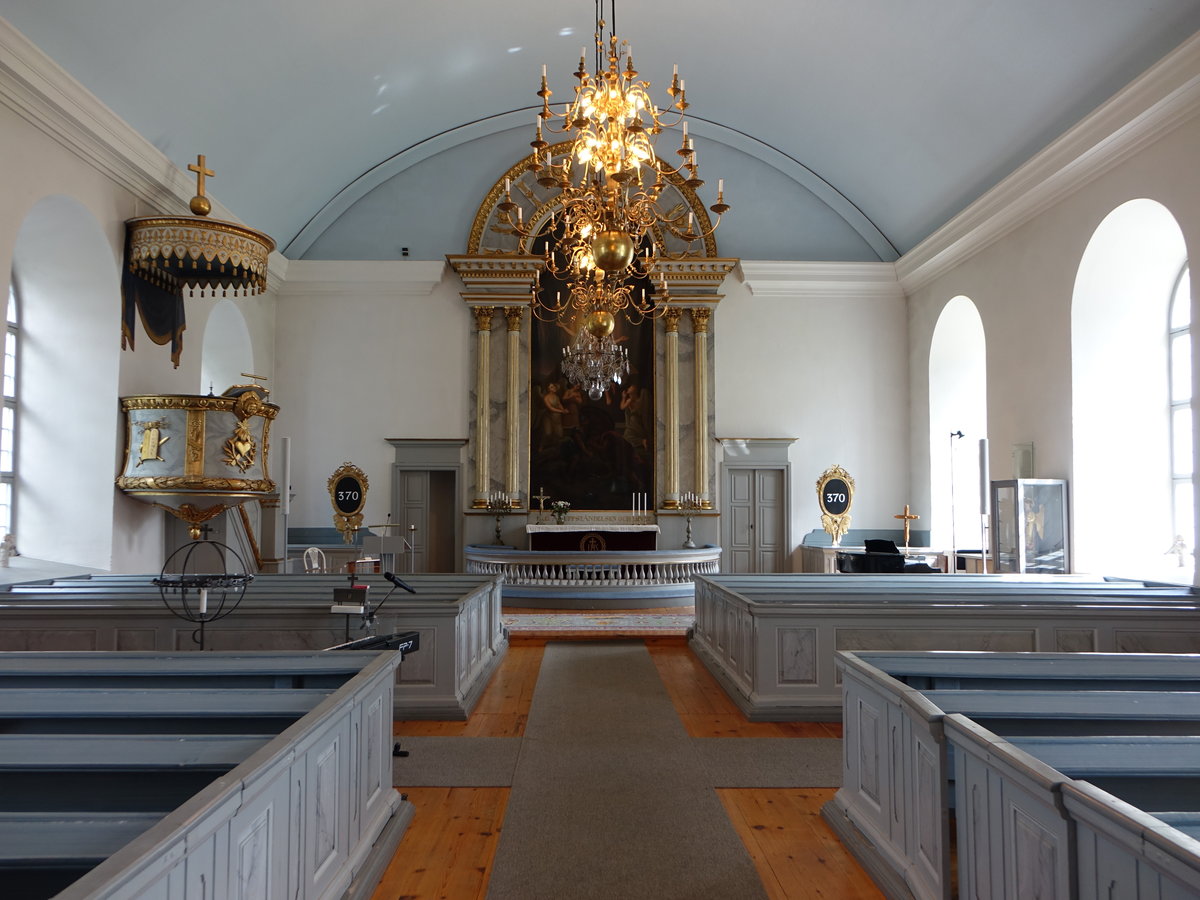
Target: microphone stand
{"type": "Point", "coordinates": [369, 614]}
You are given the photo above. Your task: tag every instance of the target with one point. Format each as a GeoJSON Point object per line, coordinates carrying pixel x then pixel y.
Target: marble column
{"type": "Point", "coordinates": [700, 318]}
{"type": "Point", "coordinates": [512, 452]}
{"type": "Point", "coordinates": [483, 363]}
{"type": "Point", "coordinates": [671, 448]}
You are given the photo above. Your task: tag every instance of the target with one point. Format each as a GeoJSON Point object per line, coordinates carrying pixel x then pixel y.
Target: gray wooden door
{"type": "Point", "coordinates": [427, 500]}
{"type": "Point", "coordinates": [757, 515]}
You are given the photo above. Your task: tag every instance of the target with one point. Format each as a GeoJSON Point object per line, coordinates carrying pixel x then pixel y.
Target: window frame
{"type": "Point", "coordinates": [1178, 481]}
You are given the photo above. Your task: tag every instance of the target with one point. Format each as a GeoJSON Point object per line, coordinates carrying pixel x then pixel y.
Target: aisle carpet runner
{"type": "Point", "coordinates": [609, 797]}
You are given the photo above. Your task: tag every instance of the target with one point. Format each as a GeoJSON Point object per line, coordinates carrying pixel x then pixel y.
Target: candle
{"type": "Point", "coordinates": [675, 70]}
{"type": "Point", "coordinates": [203, 601]}
{"type": "Point", "coordinates": [720, 186]}
{"type": "Point", "coordinates": [543, 70]}
{"type": "Point", "coordinates": [685, 133]}
{"type": "Point", "coordinates": [506, 184]}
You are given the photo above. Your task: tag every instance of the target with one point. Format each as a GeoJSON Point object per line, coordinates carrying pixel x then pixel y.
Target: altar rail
{"type": "Point", "coordinates": [569, 579]}
{"type": "Point", "coordinates": [771, 640]}
{"type": "Point", "coordinates": [194, 776]}
{"type": "Point", "coordinates": [457, 616]}
{"type": "Point", "coordinates": [916, 749]}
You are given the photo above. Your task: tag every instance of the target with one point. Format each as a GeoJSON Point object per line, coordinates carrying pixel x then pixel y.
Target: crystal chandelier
{"type": "Point", "coordinates": [609, 185]}
{"type": "Point", "coordinates": [594, 360]}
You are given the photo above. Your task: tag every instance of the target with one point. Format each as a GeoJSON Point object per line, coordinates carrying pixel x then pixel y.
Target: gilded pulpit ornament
{"type": "Point", "coordinates": [348, 494]}
{"type": "Point", "coordinates": [190, 477]}
{"type": "Point", "coordinates": [835, 494]}
{"type": "Point", "coordinates": [152, 440]}
{"type": "Point", "coordinates": [239, 449]}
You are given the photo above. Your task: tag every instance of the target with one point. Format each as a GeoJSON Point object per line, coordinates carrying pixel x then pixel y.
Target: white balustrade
{"type": "Point", "coordinates": [652, 574]}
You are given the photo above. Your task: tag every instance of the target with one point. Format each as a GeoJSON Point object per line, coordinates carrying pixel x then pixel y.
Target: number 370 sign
{"type": "Point", "coordinates": [835, 494]}
{"type": "Point", "coordinates": [348, 493]}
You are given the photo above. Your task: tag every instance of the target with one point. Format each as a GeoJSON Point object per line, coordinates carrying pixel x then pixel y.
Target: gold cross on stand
{"type": "Point", "coordinates": [200, 205]}
{"type": "Point", "coordinates": [908, 518]}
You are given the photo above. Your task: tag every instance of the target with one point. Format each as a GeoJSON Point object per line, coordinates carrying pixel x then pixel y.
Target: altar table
{"type": "Point", "coordinates": [591, 537]}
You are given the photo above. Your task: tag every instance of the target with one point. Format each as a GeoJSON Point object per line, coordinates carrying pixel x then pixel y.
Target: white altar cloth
{"type": "Point", "coordinates": [588, 526]}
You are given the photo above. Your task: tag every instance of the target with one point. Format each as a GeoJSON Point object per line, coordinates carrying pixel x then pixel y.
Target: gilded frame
{"type": "Point", "coordinates": [347, 510]}
{"type": "Point", "coordinates": [834, 502]}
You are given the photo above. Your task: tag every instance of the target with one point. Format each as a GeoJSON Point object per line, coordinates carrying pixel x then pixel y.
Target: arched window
{"type": "Point", "coordinates": [1130, 398]}
{"type": "Point", "coordinates": [1179, 343]}
{"type": "Point", "coordinates": [8, 416]}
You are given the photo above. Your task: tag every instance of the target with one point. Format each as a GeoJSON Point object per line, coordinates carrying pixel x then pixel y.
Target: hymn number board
{"type": "Point", "coordinates": [835, 495]}
{"type": "Point", "coordinates": [348, 493]}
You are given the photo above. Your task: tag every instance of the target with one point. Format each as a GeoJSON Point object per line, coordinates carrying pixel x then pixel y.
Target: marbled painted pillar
{"type": "Point", "coordinates": [700, 317]}
{"type": "Point", "coordinates": [483, 362]}
{"type": "Point", "coordinates": [512, 450]}
{"type": "Point", "coordinates": [671, 455]}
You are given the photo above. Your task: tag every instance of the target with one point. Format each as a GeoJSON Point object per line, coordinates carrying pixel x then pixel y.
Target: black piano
{"type": "Point", "coordinates": [879, 557]}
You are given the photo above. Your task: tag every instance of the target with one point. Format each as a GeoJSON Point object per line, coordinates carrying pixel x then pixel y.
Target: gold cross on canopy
{"type": "Point", "coordinates": [908, 518]}
{"type": "Point", "coordinates": [200, 205]}
{"type": "Point", "coordinates": [200, 170]}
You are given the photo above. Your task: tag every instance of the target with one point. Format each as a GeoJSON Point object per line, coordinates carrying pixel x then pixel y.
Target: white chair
{"type": "Point", "coordinates": [314, 561]}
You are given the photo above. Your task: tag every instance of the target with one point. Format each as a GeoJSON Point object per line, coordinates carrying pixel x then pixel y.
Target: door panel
{"type": "Point", "coordinates": [756, 520]}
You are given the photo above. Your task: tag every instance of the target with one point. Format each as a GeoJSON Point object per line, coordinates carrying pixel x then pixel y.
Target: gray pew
{"type": "Point", "coordinates": [772, 641]}
{"type": "Point", "coordinates": [1018, 837]}
{"type": "Point", "coordinates": [896, 766]}
{"type": "Point", "coordinates": [457, 617]}
{"type": "Point", "coordinates": [97, 802]}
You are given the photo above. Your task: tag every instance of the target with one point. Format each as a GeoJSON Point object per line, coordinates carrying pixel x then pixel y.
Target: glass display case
{"type": "Point", "coordinates": [1029, 526]}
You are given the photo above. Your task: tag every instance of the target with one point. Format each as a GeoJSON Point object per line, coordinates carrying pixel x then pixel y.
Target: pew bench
{"type": "Point", "coordinates": [73, 844]}
{"type": "Point", "coordinates": [899, 769]}
{"type": "Point", "coordinates": [771, 641]}
{"type": "Point", "coordinates": [146, 788]}
{"type": "Point", "coordinates": [1016, 834]}
{"type": "Point", "coordinates": [457, 617]}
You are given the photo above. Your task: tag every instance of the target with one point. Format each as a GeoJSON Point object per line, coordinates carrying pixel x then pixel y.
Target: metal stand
{"type": "Point", "coordinates": [202, 598]}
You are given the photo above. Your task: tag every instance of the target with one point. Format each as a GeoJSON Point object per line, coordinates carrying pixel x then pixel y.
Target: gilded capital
{"type": "Point", "coordinates": [513, 314]}
{"type": "Point", "coordinates": [483, 317]}
{"type": "Point", "coordinates": [700, 317]}
{"type": "Point", "coordinates": [671, 318]}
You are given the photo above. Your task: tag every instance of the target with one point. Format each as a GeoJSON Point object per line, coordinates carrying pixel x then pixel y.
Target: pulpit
{"type": "Point", "coordinates": [592, 537]}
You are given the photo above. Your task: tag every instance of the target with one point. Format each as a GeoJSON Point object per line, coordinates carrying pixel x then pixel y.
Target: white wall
{"type": "Point", "coordinates": [94, 187]}
{"type": "Point", "coordinates": [1022, 283]}
{"type": "Point", "coordinates": [366, 352]}
{"type": "Point", "coordinates": [817, 353]}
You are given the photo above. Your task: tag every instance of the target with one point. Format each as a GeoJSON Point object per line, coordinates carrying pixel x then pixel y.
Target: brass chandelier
{"type": "Point", "coordinates": [610, 183]}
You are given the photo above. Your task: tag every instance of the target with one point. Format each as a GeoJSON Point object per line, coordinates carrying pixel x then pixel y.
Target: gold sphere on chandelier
{"type": "Point", "coordinates": [599, 323]}
{"type": "Point", "coordinates": [612, 250]}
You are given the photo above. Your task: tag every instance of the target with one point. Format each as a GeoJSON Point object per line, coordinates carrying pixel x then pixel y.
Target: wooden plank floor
{"type": "Point", "coordinates": [448, 850]}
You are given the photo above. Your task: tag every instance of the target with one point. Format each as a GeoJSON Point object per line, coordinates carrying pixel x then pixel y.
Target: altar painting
{"type": "Point", "coordinates": [595, 454]}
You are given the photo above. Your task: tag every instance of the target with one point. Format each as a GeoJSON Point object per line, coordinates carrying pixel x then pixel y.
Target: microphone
{"type": "Point", "coordinates": [398, 583]}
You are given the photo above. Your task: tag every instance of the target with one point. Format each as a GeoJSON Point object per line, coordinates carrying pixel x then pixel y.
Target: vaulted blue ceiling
{"type": "Point", "coordinates": [843, 130]}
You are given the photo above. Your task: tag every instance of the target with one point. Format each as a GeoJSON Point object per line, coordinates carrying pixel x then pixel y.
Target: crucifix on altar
{"type": "Point", "coordinates": [541, 497]}
{"type": "Point", "coordinates": [908, 518]}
